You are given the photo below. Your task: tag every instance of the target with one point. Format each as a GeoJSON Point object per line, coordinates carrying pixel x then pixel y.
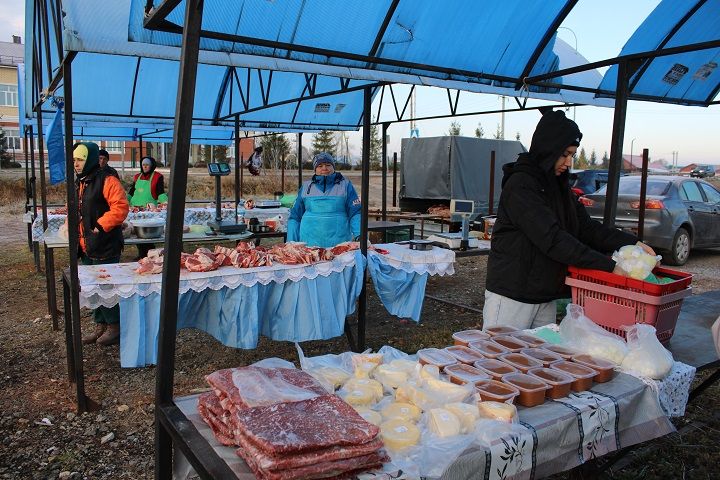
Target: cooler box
{"type": "Point", "coordinates": [614, 301]}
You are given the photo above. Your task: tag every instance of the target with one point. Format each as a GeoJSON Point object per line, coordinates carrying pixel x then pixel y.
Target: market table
{"type": "Point", "coordinates": [235, 306]}
{"type": "Point", "coordinates": [385, 227]}
{"type": "Point", "coordinates": [552, 437]}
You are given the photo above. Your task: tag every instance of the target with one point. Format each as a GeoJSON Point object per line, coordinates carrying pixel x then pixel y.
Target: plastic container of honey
{"type": "Point", "coordinates": [466, 336]}
{"type": "Point", "coordinates": [520, 361]}
{"type": "Point", "coordinates": [560, 383]}
{"type": "Point", "coordinates": [500, 330]}
{"type": "Point", "coordinates": [464, 354]}
{"type": "Point", "coordinates": [495, 368]}
{"type": "Point", "coordinates": [583, 375]}
{"type": "Point", "coordinates": [532, 390]}
{"type": "Point", "coordinates": [496, 391]}
{"type": "Point", "coordinates": [545, 356]}
{"type": "Point", "coordinates": [462, 374]}
{"type": "Point", "coordinates": [605, 368]}
{"type": "Point", "coordinates": [489, 348]}
{"type": "Point", "coordinates": [565, 352]}
{"type": "Point", "coordinates": [532, 340]}
{"type": "Point", "coordinates": [511, 343]}
{"type": "Point", "coordinates": [435, 356]}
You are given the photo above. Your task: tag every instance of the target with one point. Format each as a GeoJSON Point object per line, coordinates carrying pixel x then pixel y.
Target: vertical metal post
{"type": "Point", "coordinates": [384, 171]}
{"type": "Point", "coordinates": [238, 162]}
{"type": "Point", "coordinates": [165, 371]}
{"type": "Point", "coordinates": [365, 190]}
{"type": "Point", "coordinates": [49, 256]}
{"type": "Point", "coordinates": [70, 349]}
{"type": "Point", "coordinates": [616, 145]}
{"type": "Point", "coordinates": [394, 201]}
{"type": "Point", "coordinates": [491, 194]}
{"type": "Point", "coordinates": [33, 186]}
{"type": "Point", "coordinates": [73, 241]}
{"type": "Point", "coordinates": [643, 192]}
{"type": "Point", "coordinates": [28, 187]}
{"type": "Point", "coordinates": [299, 157]}
{"type": "Point", "coordinates": [282, 175]}
{"type": "Point", "coordinates": [142, 154]}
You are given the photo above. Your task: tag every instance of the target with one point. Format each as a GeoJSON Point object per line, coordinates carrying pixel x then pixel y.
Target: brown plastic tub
{"type": "Point", "coordinates": [466, 336]}
{"type": "Point", "coordinates": [464, 354]}
{"type": "Point", "coordinates": [520, 361]}
{"type": "Point", "coordinates": [605, 368]}
{"type": "Point", "coordinates": [545, 356]}
{"type": "Point", "coordinates": [532, 340]}
{"type": "Point", "coordinates": [489, 349]}
{"type": "Point", "coordinates": [435, 356]}
{"type": "Point", "coordinates": [511, 343]}
{"type": "Point", "coordinates": [500, 330]}
{"type": "Point", "coordinates": [496, 391]}
{"type": "Point", "coordinates": [462, 374]}
{"type": "Point", "coordinates": [565, 352]}
{"type": "Point", "coordinates": [583, 375]}
{"type": "Point", "coordinates": [532, 390]}
{"type": "Point", "coordinates": [560, 383]}
{"type": "Point", "coordinates": [495, 368]}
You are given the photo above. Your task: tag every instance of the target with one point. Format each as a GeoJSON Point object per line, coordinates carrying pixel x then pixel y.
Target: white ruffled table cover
{"type": "Point", "coordinates": [193, 216]}
{"type": "Point", "coordinates": [105, 285]}
{"type": "Point", "coordinates": [672, 391]}
{"type": "Point", "coordinates": [438, 261]}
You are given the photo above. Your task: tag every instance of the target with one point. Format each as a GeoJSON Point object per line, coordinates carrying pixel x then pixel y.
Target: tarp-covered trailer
{"type": "Point", "coordinates": [435, 169]}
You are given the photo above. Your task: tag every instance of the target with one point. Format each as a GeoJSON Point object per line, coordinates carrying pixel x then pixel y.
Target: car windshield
{"type": "Point", "coordinates": [631, 186]}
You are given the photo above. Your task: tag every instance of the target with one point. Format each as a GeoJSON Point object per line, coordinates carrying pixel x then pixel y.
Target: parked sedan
{"type": "Point", "coordinates": [680, 213]}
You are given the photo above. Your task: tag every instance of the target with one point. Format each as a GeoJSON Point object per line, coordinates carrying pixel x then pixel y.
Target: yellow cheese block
{"type": "Point", "coordinates": [375, 386]}
{"type": "Point", "coordinates": [429, 372]}
{"type": "Point", "coordinates": [468, 415]}
{"type": "Point", "coordinates": [407, 366]}
{"type": "Point", "coordinates": [502, 412]}
{"type": "Point", "coordinates": [402, 410]}
{"type": "Point", "coordinates": [443, 423]}
{"type": "Point", "coordinates": [449, 391]}
{"type": "Point", "coordinates": [363, 369]}
{"type": "Point", "coordinates": [331, 375]}
{"type": "Point", "coordinates": [398, 434]}
{"type": "Point", "coordinates": [390, 376]}
{"type": "Point", "coordinates": [369, 415]}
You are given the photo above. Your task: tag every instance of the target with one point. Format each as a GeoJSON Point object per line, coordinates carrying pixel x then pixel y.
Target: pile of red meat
{"type": "Point", "coordinates": [247, 255]}
{"type": "Point", "coordinates": [287, 426]}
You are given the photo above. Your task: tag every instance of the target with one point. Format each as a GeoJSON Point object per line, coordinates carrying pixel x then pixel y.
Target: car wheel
{"type": "Point", "coordinates": [680, 250]}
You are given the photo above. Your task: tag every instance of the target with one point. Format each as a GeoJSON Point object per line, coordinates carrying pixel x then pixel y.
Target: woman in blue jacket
{"type": "Point", "coordinates": [327, 209]}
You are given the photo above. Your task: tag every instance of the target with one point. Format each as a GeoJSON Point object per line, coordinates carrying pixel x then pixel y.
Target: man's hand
{"type": "Point", "coordinates": [646, 248]}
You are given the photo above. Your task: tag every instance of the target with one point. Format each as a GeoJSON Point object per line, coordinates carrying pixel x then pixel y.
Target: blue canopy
{"type": "Point", "coordinates": [484, 46]}
{"type": "Point", "coordinates": [130, 83]}
{"type": "Point", "coordinates": [690, 78]}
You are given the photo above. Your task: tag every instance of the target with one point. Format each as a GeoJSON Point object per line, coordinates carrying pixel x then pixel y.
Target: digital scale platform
{"type": "Point", "coordinates": [460, 240]}
{"type": "Point", "coordinates": [219, 170]}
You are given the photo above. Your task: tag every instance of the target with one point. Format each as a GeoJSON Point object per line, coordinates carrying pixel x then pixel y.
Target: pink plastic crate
{"type": "Point", "coordinates": [614, 308]}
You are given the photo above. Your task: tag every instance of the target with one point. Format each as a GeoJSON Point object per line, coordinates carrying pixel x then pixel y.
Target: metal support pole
{"type": "Point", "coordinates": [73, 242]}
{"type": "Point", "coordinates": [384, 171]}
{"type": "Point", "coordinates": [69, 346]}
{"type": "Point", "coordinates": [365, 190]}
{"type": "Point", "coordinates": [238, 162]}
{"type": "Point", "coordinates": [491, 194]}
{"type": "Point", "coordinates": [28, 187]}
{"type": "Point", "coordinates": [49, 256]}
{"type": "Point", "coordinates": [299, 158]}
{"type": "Point", "coordinates": [643, 193]}
{"type": "Point", "coordinates": [616, 145]}
{"type": "Point", "coordinates": [142, 154]}
{"type": "Point", "coordinates": [394, 201]}
{"type": "Point", "coordinates": [282, 175]}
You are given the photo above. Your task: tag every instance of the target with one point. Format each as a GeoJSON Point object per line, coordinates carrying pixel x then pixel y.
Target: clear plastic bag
{"type": "Point", "coordinates": [646, 355]}
{"type": "Point", "coordinates": [635, 262]}
{"type": "Point", "coordinates": [582, 334]}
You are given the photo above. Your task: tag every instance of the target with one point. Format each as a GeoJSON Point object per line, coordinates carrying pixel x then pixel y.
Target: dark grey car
{"type": "Point", "coordinates": [680, 213]}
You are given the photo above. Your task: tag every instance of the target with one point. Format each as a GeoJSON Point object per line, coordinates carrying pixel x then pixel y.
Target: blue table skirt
{"type": "Point", "coordinates": [402, 293]}
{"type": "Point", "coordinates": [311, 309]}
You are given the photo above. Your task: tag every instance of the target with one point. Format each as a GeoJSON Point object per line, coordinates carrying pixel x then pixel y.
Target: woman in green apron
{"type": "Point", "coordinates": [148, 188]}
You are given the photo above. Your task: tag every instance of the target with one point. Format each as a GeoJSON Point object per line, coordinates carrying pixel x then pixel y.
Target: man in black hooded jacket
{"type": "Point", "coordinates": [541, 228]}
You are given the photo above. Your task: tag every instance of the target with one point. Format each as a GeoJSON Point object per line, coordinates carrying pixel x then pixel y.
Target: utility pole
{"type": "Point", "coordinates": [502, 119]}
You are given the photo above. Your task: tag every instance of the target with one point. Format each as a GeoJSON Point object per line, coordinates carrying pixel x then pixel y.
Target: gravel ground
{"type": "Point", "coordinates": [42, 438]}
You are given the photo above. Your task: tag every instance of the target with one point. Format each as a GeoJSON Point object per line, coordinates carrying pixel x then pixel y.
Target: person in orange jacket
{"type": "Point", "coordinates": [102, 209]}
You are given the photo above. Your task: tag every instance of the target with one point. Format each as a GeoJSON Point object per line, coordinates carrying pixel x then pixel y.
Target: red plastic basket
{"type": "Point", "coordinates": [612, 305]}
{"type": "Point", "coordinates": [682, 280]}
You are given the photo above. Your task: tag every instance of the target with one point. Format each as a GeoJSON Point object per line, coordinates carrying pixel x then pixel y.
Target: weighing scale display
{"type": "Point", "coordinates": [218, 169]}
{"type": "Point", "coordinates": [462, 207]}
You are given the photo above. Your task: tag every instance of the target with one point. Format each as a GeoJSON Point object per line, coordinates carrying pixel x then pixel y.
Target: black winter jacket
{"type": "Point", "coordinates": [541, 227]}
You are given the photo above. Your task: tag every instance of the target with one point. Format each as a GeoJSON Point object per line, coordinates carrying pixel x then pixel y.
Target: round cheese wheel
{"type": "Point", "coordinates": [402, 410]}
{"type": "Point", "coordinates": [358, 395]}
{"type": "Point", "coordinates": [375, 386]}
{"type": "Point", "coordinates": [369, 415]}
{"type": "Point", "coordinates": [398, 434]}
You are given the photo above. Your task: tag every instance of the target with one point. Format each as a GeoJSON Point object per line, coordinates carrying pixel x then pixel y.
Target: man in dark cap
{"type": "Point", "coordinates": [105, 162]}
{"type": "Point", "coordinates": [541, 228]}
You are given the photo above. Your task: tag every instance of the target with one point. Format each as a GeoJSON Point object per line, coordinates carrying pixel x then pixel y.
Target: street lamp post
{"type": "Point", "coordinates": [631, 153]}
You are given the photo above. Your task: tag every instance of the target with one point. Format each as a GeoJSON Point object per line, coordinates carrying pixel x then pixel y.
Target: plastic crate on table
{"type": "Point", "coordinates": [613, 301]}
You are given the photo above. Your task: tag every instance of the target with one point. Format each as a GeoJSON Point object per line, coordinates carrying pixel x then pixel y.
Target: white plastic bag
{"type": "Point", "coordinates": [582, 334]}
{"type": "Point", "coordinates": [646, 356]}
{"type": "Point", "coordinates": [635, 262]}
